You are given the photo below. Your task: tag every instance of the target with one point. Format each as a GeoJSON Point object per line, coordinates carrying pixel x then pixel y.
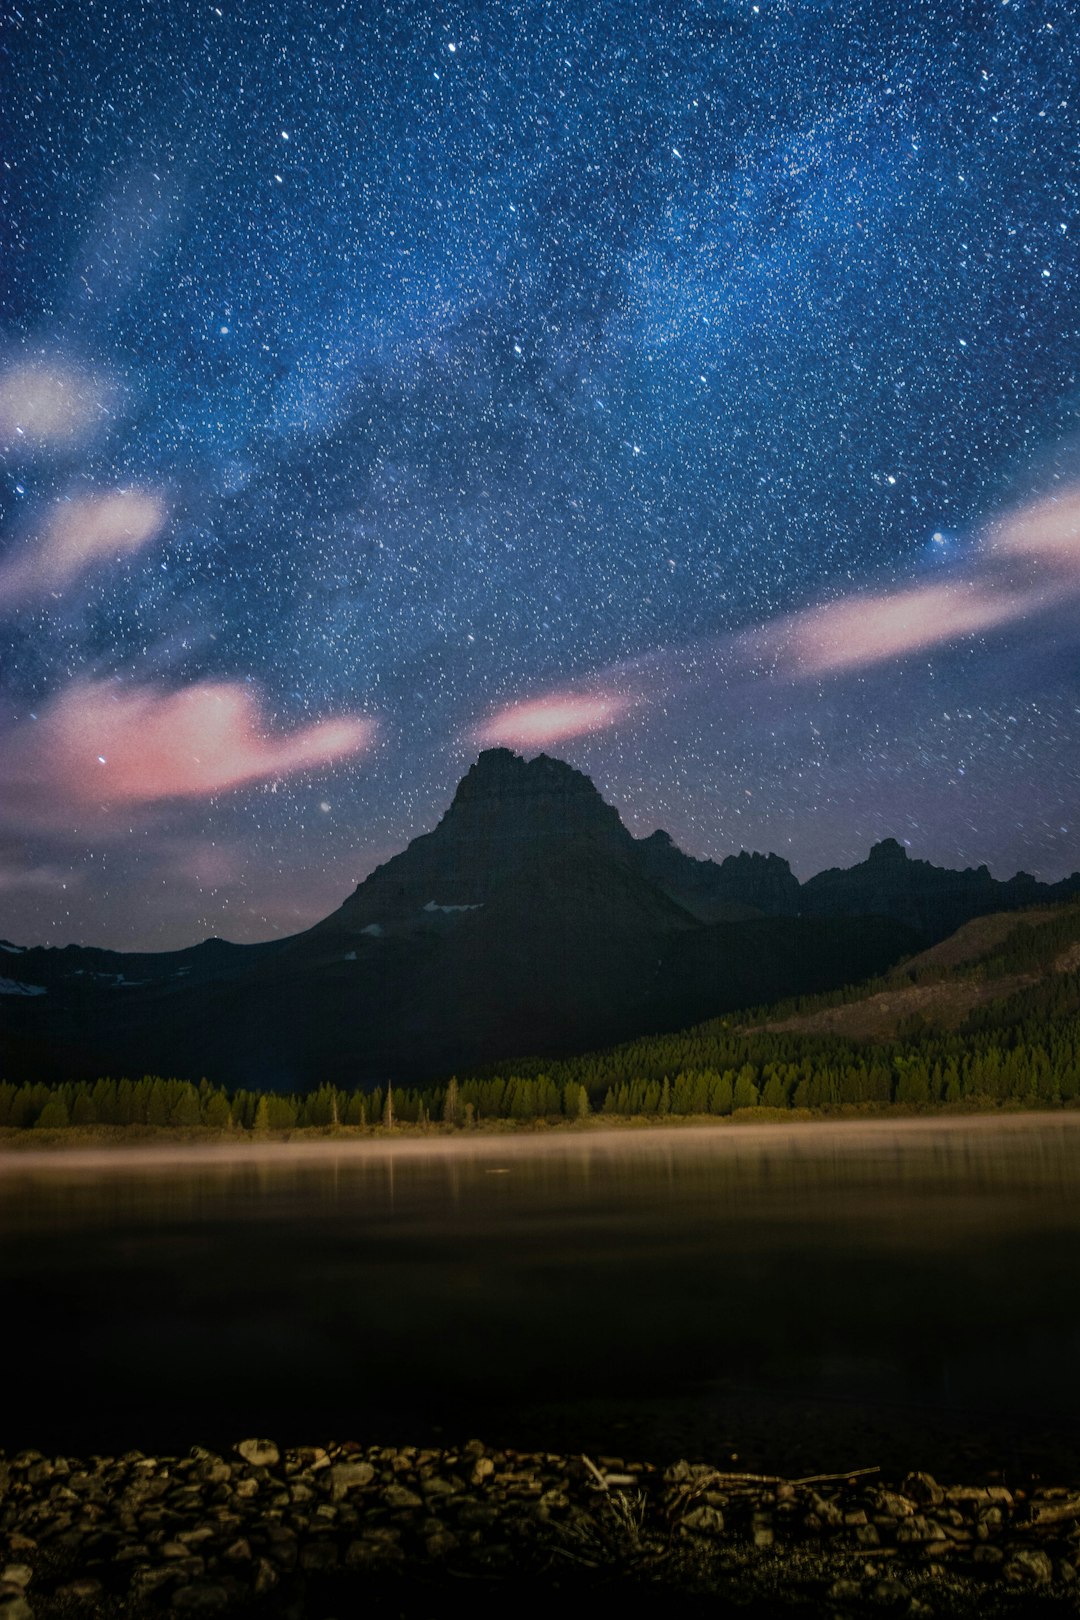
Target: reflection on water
{"type": "Point", "coordinates": [816, 1296]}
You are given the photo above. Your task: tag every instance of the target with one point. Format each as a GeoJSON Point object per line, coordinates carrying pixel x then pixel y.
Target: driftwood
{"type": "Point", "coordinates": [718, 1477]}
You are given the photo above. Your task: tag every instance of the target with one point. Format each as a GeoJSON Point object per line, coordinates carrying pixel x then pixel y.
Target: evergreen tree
{"type": "Point", "coordinates": [83, 1111]}
{"type": "Point", "coordinates": [54, 1115]}
{"type": "Point", "coordinates": [216, 1112]}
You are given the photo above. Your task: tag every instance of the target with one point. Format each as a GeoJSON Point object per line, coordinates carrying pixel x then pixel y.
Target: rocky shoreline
{"type": "Point", "coordinates": [326, 1530]}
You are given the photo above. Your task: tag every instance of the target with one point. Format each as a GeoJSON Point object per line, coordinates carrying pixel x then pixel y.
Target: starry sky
{"type": "Point", "coordinates": [688, 389]}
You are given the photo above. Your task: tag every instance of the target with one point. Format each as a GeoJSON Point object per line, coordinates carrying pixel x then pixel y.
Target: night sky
{"type": "Point", "coordinates": [687, 389]}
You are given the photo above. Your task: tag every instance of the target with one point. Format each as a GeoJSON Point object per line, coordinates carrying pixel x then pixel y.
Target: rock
{"type": "Point", "coordinates": [844, 1591]}
{"type": "Point", "coordinates": [201, 1599]}
{"type": "Point", "coordinates": [146, 1581]}
{"type": "Point", "coordinates": [440, 1543]}
{"type": "Point", "coordinates": [890, 1592]}
{"type": "Point", "coordinates": [81, 1590]}
{"type": "Point", "coordinates": [923, 1488]}
{"type": "Point", "coordinates": [985, 1554]}
{"type": "Point", "coordinates": [259, 1453]}
{"type": "Point", "coordinates": [827, 1511]}
{"type": "Point", "coordinates": [17, 1574]}
{"type": "Point", "coordinates": [266, 1577]}
{"type": "Point", "coordinates": [1030, 1567]}
{"type": "Point", "coordinates": [239, 1551]}
{"type": "Point", "coordinates": [1059, 1510]}
{"type": "Point", "coordinates": [399, 1496]}
{"type": "Point", "coordinates": [978, 1495]}
{"type": "Point", "coordinates": [376, 1546]}
{"type": "Point", "coordinates": [13, 1606]}
{"type": "Point", "coordinates": [704, 1521]}
{"type": "Point", "coordinates": [483, 1469]}
{"type": "Point", "coordinates": [349, 1476]}
{"type": "Point", "coordinates": [319, 1555]}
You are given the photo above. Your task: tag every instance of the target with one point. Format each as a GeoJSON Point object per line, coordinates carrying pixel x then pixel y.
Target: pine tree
{"type": "Point", "coordinates": [83, 1111]}
{"type": "Point", "coordinates": [216, 1111]}
{"type": "Point", "coordinates": [54, 1115]}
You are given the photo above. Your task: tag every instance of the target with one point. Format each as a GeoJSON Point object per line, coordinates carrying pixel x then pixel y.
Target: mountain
{"type": "Point", "coordinates": [988, 1017]}
{"type": "Point", "coordinates": [930, 898]}
{"type": "Point", "coordinates": [738, 887]}
{"type": "Point", "coordinates": [528, 920]}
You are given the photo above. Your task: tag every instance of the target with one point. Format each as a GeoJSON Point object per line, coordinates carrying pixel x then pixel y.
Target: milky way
{"type": "Point", "coordinates": [690, 390]}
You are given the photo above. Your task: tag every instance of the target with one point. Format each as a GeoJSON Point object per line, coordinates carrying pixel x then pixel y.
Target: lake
{"type": "Point", "coordinates": [799, 1298]}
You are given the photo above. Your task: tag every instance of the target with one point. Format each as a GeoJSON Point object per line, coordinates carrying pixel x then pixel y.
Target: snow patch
{"type": "Point", "coordinates": [350, 956]}
{"type": "Point", "coordinates": [113, 980]}
{"type": "Point", "coordinates": [374, 929]}
{"type": "Point", "coordinates": [12, 987]}
{"type": "Point", "coordinates": [433, 905]}
{"type": "Point", "coordinates": [16, 950]}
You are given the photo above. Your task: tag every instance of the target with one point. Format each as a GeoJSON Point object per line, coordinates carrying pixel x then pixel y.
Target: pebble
{"type": "Point", "coordinates": [259, 1453]}
{"type": "Point", "coordinates": [1031, 1566]}
{"type": "Point", "coordinates": [201, 1535]}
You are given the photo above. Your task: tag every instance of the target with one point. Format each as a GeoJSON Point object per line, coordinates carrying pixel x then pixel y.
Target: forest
{"type": "Point", "coordinates": [1022, 1049]}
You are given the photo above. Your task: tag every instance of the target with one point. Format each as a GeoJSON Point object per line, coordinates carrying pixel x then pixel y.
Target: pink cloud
{"type": "Point", "coordinates": [102, 745]}
{"type": "Point", "coordinates": [1047, 531]}
{"type": "Point", "coordinates": [861, 630]}
{"type": "Point", "coordinates": [552, 718]}
{"type": "Point", "coordinates": [1029, 563]}
{"type": "Point", "coordinates": [80, 532]}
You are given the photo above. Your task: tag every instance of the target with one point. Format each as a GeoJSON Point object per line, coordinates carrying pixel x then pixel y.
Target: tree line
{"type": "Point", "coordinates": [1023, 1049]}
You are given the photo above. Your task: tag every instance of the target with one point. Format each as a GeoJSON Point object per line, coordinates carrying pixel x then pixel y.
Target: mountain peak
{"type": "Point", "coordinates": [889, 852]}
{"type": "Point", "coordinates": [500, 773]}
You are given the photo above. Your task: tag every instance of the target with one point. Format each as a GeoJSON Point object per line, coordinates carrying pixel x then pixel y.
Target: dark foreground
{"type": "Point", "coordinates": [347, 1530]}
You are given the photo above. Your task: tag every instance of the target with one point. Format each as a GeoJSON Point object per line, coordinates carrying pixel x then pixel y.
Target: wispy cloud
{"type": "Point", "coordinates": [101, 745]}
{"type": "Point", "coordinates": [860, 630]}
{"type": "Point", "coordinates": [552, 719]}
{"type": "Point", "coordinates": [49, 405]}
{"type": "Point", "coordinates": [1026, 564]}
{"type": "Point", "coordinates": [79, 532]}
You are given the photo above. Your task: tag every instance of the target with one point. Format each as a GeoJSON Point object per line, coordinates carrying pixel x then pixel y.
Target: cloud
{"type": "Point", "coordinates": [17, 879]}
{"type": "Point", "coordinates": [859, 631]}
{"type": "Point", "coordinates": [100, 745]}
{"type": "Point", "coordinates": [1027, 563]}
{"type": "Point", "coordinates": [1047, 531]}
{"type": "Point", "coordinates": [80, 532]}
{"type": "Point", "coordinates": [552, 719]}
{"type": "Point", "coordinates": [44, 405]}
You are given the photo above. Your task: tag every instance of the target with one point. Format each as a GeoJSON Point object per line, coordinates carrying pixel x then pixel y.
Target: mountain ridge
{"type": "Point", "coordinates": [528, 918]}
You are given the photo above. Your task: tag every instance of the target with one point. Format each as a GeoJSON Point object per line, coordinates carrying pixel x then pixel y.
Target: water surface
{"type": "Point", "coordinates": [803, 1298]}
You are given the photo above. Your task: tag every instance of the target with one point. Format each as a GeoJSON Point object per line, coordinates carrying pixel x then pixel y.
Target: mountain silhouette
{"type": "Point", "coordinates": [930, 898]}
{"type": "Point", "coordinates": [528, 921]}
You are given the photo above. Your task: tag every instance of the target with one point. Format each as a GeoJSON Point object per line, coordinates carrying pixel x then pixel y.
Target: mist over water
{"type": "Point", "coordinates": [801, 1298]}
